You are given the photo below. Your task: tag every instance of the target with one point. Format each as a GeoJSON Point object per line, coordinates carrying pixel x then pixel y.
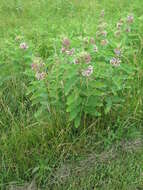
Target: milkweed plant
{"type": "Point", "coordinates": [88, 76]}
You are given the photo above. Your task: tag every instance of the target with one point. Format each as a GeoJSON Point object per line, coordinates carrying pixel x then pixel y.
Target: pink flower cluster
{"type": "Point", "coordinates": [66, 42]}
{"type": "Point", "coordinates": [76, 61]}
{"type": "Point", "coordinates": [129, 21]}
{"type": "Point", "coordinates": [120, 24]}
{"type": "Point", "coordinates": [95, 48]}
{"type": "Point", "coordinates": [88, 40]}
{"type": "Point", "coordinates": [88, 71]}
{"type": "Point", "coordinates": [92, 42]}
{"type": "Point", "coordinates": [115, 62]}
{"type": "Point", "coordinates": [104, 42]}
{"type": "Point", "coordinates": [66, 47]}
{"type": "Point", "coordinates": [102, 33]}
{"type": "Point", "coordinates": [23, 46]}
{"type": "Point", "coordinates": [85, 57]}
{"type": "Point", "coordinates": [117, 51]}
{"type": "Point", "coordinates": [40, 76]}
{"type": "Point", "coordinates": [39, 68]}
{"type": "Point", "coordinates": [119, 27]}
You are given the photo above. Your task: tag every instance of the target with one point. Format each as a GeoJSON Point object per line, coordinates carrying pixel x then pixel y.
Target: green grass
{"type": "Point", "coordinates": [31, 149]}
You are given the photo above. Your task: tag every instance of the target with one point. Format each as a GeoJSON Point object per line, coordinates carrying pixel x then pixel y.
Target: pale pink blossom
{"type": "Point", "coordinates": [117, 51]}
{"type": "Point", "coordinates": [115, 62]}
{"type": "Point", "coordinates": [63, 50]}
{"type": "Point", "coordinates": [104, 33]}
{"type": "Point", "coordinates": [104, 42]}
{"type": "Point", "coordinates": [88, 71]}
{"type": "Point", "coordinates": [40, 76]}
{"type": "Point", "coordinates": [37, 64]}
{"type": "Point", "coordinates": [66, 42]}
{"type": "Point", "coordinates": [130, 19]}
{"type": "Point", "coordinates": [128, 30]}
{"type": "Point", "coordinates": [76, 61]}
{"type": "Point", "coordinates": [70, 52]}
{"type": "Point", "coordinates": [23, 46]}
{"type": "Point", "coordinates": [87, 58]}
{"type": "Point", "coordinates": [34, 66]}
{"type": "Point", "coordinates": [92, 40]}
{"type": "Point", "coordinates": [95, 48]}
{"type": "Point", "coordinates": [119, 25]}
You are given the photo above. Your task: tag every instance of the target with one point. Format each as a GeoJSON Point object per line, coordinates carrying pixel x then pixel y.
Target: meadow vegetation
{"type": "Point", "coordinates": [71, 92]}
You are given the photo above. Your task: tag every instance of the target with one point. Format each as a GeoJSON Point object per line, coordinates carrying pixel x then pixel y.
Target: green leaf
{"type": "Point", "coordinates": [74, 105]}
{"type": "Point", "coordinates": [73, 97]}
{"type": "Point", "coordinates": [74, 113]}
{"type": "Point", "coordinates": [77, 121]}
{"type": "Point", "coordinates": [70, 83]}
{"type": "Point", "coordinates": [94, 101]}
{"type": "Point", "coordinates": [108, 105]}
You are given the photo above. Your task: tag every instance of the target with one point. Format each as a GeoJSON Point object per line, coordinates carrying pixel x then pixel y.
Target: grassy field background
{"type": "Point", "coordinates": [105, 155]}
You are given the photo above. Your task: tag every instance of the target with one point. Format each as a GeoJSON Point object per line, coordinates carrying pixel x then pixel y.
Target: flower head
{"type": "Point", "coordinates": [95, 48]}
{"type": "Point", "coordinates": [63, 50]}
{"type": "Point", "coordinates": [119, 25]}
{"type": "Point", "coordinates": [70, 52]}
{"type": "Point", "coordinates": [66, 42]}
{"type": "Point", "coordinates": [115, 62]}
{"type": "Point", "coordinates": [130, 19]}
{"type": "Point", "coordinates": [92, 41]}
{"type": "Point", "coordinates": [104, 42]}
{"type": "Point", "coordinates": [88, 71]}
{"type": "Point", "coordinates": [23, 46]}
{"type": "Point", "coordinates": [104, 33]}
{"type": "Point", "coordinates": [40, 76]}
{"type": "Point", "coordinates": [87, 58]}
{"type": "Point", "coordinates": [37, 64]}
{"type": "Point", "coordinates": [76, 61]}
{"type": "Point", "coordinates": [34, 66]}
{"type": "Point", "coordinates": [117, 51]}
{"type": "Point", "coordinates": [128, 30]}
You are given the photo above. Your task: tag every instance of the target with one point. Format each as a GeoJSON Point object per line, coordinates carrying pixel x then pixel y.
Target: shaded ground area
{"type": "Point", "coordinates": [80, 173]}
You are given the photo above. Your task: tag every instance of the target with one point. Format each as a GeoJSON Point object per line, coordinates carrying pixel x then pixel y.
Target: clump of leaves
{"type": "Point", "coordinates": [89, 76]}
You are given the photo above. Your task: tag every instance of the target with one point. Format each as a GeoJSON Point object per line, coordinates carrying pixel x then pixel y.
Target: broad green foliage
{"type": "Point", "coordinates": [89, 76]}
